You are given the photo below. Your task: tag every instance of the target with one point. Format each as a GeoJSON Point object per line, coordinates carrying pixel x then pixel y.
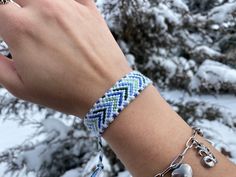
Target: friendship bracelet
{"type": "Point", "coordinates": [178, 169]}
{"type": "Point", "coordinates": [110, 105]}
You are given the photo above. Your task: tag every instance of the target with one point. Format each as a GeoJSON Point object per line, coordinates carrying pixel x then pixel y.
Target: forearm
{"type": "Point", "coordinates": [148, 135]}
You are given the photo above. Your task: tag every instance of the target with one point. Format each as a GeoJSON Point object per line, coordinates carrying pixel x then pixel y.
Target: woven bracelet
{"type": "Point", "coordinates": [109, 106]}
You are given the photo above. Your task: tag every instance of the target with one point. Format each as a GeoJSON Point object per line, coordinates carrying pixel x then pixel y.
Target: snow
{"type": "Point", "coordinates": [222, 135]}
{"type": "Point", "coordinates": [181, 5]}
{"type": "Point", "coordinates": [222, 13]}
{"type": "Point", "coordinates": [124, 174]}
{"type": "Point", "coordinates": [16, 134]}
{"type": "Point", "coordinates": [164, 14]}
{"type": "Point", "coordinates": [53, 125]}
{"type": "Point", "coordinates": [23, 173]}
{"type": "Point", "coordinates": [170, 67]}
{"type": "Point", "coordinates": [92, 164]}
{"type": "Point", "coordinates": [3, 47]}
{"type": "Point", "coordinates": [130, 59]}
{"type": "Point", "coordinates": [226, 101]}
{"type": "Point", "coordinates": [160, 20]}
{"type": "Point", "coordinates": [71, 173]}
{"type": "Point", "coordinates": [169, 14]}
{"type": "Point", "coordinates": [214, 74]}
{"type": "Point", "coordinates": [207, 50]}
{"type": "Point", "coordinates": [34, 158]}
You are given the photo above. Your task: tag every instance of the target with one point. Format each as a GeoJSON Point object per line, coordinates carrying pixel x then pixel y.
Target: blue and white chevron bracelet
{"type": "Point", "coordinates": [118, 97]}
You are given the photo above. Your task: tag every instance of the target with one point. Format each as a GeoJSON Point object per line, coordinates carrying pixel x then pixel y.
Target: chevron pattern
{"type": "Point", "coordinates": [108, 107]}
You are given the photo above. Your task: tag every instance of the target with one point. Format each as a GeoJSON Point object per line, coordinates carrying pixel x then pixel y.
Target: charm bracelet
{"type": "Point", "coordinates": [178, 169]}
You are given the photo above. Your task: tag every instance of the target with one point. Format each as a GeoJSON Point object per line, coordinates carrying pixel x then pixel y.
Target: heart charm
{"type": "Point", "coordinates": [184, 170]}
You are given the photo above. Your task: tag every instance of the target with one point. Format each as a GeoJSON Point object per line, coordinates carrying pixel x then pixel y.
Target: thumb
{"type": "Point", "coordinates": [9, 77]}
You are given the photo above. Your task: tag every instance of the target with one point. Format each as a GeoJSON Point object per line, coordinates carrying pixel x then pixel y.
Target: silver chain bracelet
{"type": "Point", "coordinates": [178, 169]}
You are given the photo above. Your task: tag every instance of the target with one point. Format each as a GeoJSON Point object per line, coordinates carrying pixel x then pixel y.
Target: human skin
{"type": "Point", "coordinates": [65, 57]}
{"type": "Point", "coordinates": [61, 76]}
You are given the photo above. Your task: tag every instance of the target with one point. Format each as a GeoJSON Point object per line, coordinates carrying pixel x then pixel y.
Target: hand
{"type": "Point", "coordinates": [64, 55]}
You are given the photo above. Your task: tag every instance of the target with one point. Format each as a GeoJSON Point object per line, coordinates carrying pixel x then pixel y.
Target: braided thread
{"type": "Point", "coordinates": [108, 107]}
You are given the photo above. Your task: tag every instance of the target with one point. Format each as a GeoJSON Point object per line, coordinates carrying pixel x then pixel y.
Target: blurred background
{"type": "Point", "coordinates": [187, 47]}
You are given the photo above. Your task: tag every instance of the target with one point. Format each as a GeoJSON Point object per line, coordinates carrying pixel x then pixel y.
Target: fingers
{"type": "Point", "coordinates": [9, 77]}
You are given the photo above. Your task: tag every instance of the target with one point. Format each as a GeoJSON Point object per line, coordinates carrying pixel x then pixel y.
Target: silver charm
{"type": "Point", "coordinates": [208, 159]}
{"type": "Point", "coordinates": [184, 170]}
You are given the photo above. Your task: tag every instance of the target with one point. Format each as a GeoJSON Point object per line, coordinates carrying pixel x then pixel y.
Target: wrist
{"type": "Point", "coordinates": [114, 101]}
{"type": "Point", "coordinates": [97, 88]}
